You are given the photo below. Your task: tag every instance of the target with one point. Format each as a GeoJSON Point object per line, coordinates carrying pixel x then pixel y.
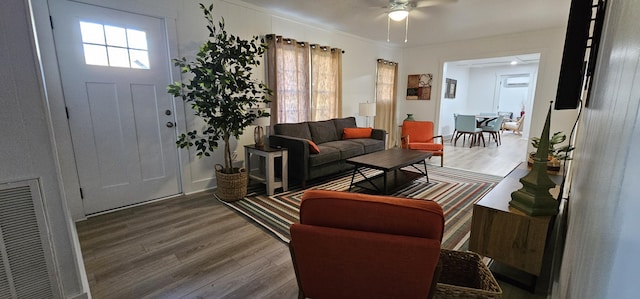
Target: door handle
{"type": "Point", "coordinates": [170, 124]}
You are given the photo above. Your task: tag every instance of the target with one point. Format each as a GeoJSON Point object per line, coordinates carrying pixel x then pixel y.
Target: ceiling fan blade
{"type": "Point", "coordinates": [427, 3]}
{"type": "Point", "coordinates": [417, 14]}
{"type": "Point", "coordinates": [377, 3]}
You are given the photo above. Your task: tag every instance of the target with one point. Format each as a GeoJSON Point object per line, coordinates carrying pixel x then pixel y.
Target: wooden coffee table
{"type": "Point", "coordinates": [390, 162]}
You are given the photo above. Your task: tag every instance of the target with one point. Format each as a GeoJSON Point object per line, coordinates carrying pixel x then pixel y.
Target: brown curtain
{"type": "Point", "coordinates": [386, 91]}
{"type": "Point", "coordinates": [288, 78]}
{"type": "Point", "coordinates": [336, 59]}
{"type": "Point", "coordinates": [326, 82]}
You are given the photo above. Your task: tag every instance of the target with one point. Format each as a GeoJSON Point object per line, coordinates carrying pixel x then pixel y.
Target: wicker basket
{"type": "Point", "coordinates": [464, 275]}
{"type": "Point", "coordinates": [231, 186]}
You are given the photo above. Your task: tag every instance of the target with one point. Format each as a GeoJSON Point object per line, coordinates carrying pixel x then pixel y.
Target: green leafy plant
{"type": "Point", "coordinates": [220, 88]}
{"type": "Point", "coordinates": [560, 153]}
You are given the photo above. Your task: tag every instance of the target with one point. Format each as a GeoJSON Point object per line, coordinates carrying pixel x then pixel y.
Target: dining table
{"type": "Point", "coordinates": [483, 120]}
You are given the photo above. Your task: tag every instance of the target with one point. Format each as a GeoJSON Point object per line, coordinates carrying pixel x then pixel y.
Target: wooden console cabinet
{"type": "Point", "coordinates": [506, 234]}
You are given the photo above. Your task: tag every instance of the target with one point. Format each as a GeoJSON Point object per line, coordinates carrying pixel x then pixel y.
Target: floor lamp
{"type": "Point", "coordinates": [367, 110]}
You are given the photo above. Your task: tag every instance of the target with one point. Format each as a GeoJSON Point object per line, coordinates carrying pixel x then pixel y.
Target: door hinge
{"type": "Point", "coordinates": [51, 21]}
{"type": "Point", "coordinates": [81, 194]}
{"type": "Point", "coordinates": [66, 110]}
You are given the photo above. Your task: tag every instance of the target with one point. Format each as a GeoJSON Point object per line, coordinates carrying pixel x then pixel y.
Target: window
{"type": "Point", "coordinates": [306, 80]}
{"type": "Point", "coordinates": [325, 84]}
{"type": "Point", "coordinates": [113, 46]}
{"type": "Point", "coordinates": [292, 77]}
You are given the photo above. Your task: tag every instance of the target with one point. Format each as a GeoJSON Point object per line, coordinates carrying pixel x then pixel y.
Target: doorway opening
{"type": "Point", "coordinates": [489, 85]}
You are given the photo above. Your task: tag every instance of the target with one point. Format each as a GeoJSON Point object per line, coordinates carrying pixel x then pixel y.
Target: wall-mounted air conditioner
{"type": "Point", "coordinates": [520, 81]}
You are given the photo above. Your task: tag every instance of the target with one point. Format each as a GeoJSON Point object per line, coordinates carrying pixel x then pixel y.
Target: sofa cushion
{"type": "Point", "coordinates": [370, 145]}
{"type": "Point", "coordinates": [299, 130]}
{"type": "Point", "coordinates": [426, 146]}
{"type": "Point", "coordinates": [323, 131]}
{"type": "Point", "coordinates": [347, 148]}
{"type": "Point", "coordinates": [351, 133]}
{"type": "Point", "coordinates": [327, 155]}
{"type": "Point", "coordinates": [341, 123]}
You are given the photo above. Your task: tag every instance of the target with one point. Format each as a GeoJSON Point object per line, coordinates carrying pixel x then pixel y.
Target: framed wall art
{"type": "Point", "coordinates": [419, 87]}
{"type": "Point", "coordinates": [450, 92]}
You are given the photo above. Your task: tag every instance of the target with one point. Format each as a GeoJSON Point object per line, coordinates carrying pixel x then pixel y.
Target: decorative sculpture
{"type": "Point", "coordinates": [534, 198]}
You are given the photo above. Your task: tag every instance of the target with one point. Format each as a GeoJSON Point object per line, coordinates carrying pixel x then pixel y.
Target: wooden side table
{"type": "Point", "coordinates": [507, 235]}
{"type": "Point", "coordinates": [268, 178]}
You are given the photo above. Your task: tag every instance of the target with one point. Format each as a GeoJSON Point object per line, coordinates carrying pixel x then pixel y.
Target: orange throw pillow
{"type": "Point", "coordinates": [313, 147]}
{"type": "Point", "coordinates": [350, 133]}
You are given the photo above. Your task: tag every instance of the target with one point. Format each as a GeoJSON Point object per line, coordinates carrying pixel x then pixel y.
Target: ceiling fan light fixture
{"type": "Point", "coordinates": [398, 14]}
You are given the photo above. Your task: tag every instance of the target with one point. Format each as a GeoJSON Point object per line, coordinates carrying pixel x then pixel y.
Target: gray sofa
{"type": "Point", "coordinates": [303, 165]}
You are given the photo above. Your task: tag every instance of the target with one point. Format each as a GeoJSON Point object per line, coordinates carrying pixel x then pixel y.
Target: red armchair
{"type": "Point", "coordinates": [418, 135]}
{"type": "Point", "coordinates": [351, 245]}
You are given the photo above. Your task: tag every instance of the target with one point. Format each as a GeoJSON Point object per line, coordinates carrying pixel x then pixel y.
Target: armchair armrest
{"type": "Point", "coordinates": [298, 154]}
{"type": "Point", "coordinates": [439, 136]}
{"type": "Point", "coordinates": [404, 141]}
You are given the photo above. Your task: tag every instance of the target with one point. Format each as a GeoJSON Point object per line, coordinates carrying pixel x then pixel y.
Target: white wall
{"type": "Point", "coordinates": [185, 25]}
{"type": "Point", "coordinates": [26, 150]}
{"type": "Point", "coordinates": [430, 59]}
{"type": "Point", "coordinates": [483, 84]}
{"type": "Point", "coordinates": [601, 255]}
{"type": "Point", "coordinates": [453, 105]}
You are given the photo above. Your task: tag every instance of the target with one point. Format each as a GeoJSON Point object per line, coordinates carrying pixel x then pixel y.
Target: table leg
{"type": "Point", "coordinates": [285, 171]}
{"type": "Point", "coordinates": [386, 185]}
{"type": "Point", "coordinates": [270, 176]}
{"type": "Point", "coordinates": [352, 177]}
{"type": "Point", "coordinates": [247, 161]}
{"type": "Point", "coordinates": [426, 174]}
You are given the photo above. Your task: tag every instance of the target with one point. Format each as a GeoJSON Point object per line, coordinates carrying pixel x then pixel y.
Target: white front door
{"type": "Point", "coordinates": [115, 68]}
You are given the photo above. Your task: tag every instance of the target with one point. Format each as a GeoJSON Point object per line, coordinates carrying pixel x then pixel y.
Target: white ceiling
{"type": "Point", "coordinates": [524, 59]}
{"type": "Point", "coordinates": [453, 21]}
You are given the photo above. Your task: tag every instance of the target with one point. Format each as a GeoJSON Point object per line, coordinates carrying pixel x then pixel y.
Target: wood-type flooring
{"type": "Point", "coordinates": [195, 247]}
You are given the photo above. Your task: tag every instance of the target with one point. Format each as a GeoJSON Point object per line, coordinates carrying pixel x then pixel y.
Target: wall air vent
{"type": "Point", "coordinates": [25, 255]}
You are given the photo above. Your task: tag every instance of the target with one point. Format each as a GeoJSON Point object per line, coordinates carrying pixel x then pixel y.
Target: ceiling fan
{"type": "Point", "coordinates": [398, 10]}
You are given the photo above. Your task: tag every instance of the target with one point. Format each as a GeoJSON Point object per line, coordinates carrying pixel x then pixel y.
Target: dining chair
{"type": "Point", "coordinates": [493, 128]}
{"type": "Point", "coordinates": [507, 115]}
{"type": "Point", "coordinates": [419, 135]}
{"type": "Point", "coordinates": [466, 125]}
{"type": "Point", "coordinates": [455, 115]}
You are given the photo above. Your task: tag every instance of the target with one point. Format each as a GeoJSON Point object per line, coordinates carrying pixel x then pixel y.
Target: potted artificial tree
{"type": "Point", "coordinates": [220, 90]}
{"type": "Point", "coordinates": [555, 154]}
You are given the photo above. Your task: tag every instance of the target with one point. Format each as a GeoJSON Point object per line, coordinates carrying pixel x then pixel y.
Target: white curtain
{"type": "Point", "coordinates": [288, 65]}
{"type": "Point", "coordinates": [306, 80]}
{"type": "Point", "coordinates": [386, 91]}
{"type": "Point", "coordinates": [326, 86]}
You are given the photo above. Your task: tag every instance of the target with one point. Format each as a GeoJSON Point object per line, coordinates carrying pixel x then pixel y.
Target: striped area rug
{"type": "Point", "coordinates": [455, 190]}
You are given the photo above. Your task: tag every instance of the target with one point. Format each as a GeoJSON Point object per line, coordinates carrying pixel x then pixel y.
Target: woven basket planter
{"type": "Point", "coordinates": [464, 275]}
{"type": "Point", "coordinates": [231, 186]}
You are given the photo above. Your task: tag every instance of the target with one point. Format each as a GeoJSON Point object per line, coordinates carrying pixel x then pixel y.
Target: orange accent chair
{"type": "Point", "coordinates": [351, 245]}
{"type": "Point", "coordinates": [418, 135]}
